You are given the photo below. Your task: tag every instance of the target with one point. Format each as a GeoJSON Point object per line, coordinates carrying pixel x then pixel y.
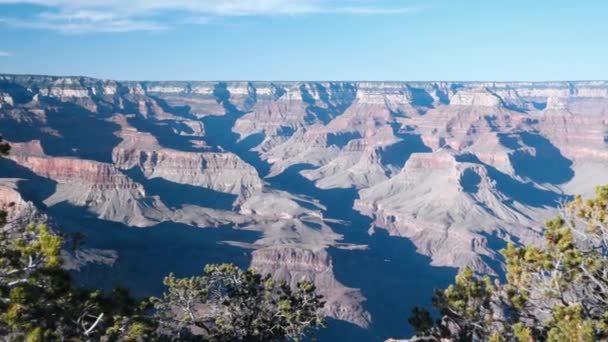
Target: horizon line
{"type": "Point", "coordinates": [299, 80]}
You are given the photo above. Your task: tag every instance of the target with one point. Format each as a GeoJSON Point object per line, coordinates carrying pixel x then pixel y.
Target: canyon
{"type": "Point", "coordinates": [376, 191]}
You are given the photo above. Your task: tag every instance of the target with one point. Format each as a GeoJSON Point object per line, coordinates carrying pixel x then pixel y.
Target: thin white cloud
{"type": "Point", "coordinates": [5, 54]}
{"type": "Point", "coordinates": [83, 22]}
{"type": "Point", "coordinates": [78, 16]}
{"type": "Point", "coordinates": [211, 7]}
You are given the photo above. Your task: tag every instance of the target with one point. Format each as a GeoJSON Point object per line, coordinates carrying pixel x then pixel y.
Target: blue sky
{"type": "Point", "coordinates": [307, 39]}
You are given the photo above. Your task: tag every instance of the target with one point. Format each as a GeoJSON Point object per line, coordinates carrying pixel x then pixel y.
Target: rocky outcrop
{"type": "Point", "coordinates": [295, 264]}
{"type": "Point", "coordinates": [224, 172]}
{"type": "Point", "coordinates": [458, 224]}
{"type": "Point", "coordinates": [218, 171]}
{"type": "Point", "coordinates": [578, 137]}
{"type": "Point", "coordinates": [477, 97]}
{"type": "Point", "coordinates": [79, 259]}
{"type": "Point", "coordinates": [19, 211]}
{"type": "Point", "coordinates": [279, 205]}
{"type": "Point", "coordinates": [100, 187]}
{"type": "Point", "coordinates": [65, 170]}
{"type": "Point", "coordinates": [6, 100]}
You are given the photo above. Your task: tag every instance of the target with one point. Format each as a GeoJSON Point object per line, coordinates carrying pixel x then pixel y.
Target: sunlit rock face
{"type": "Point", "coordinates": [297, 264]}
{"type": "Point", "coordinates": [217, 170]}
{"type": "Point", "coordinates": [332, 182]}
{"type": "Point", "coordinates": [15, 206]}
{"type": "Point", "coordinates": [99, 187]}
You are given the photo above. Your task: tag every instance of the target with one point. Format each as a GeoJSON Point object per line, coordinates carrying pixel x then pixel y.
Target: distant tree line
{"type": "Point", "coordinates": [555, 293]}
{"type": "Point", "coordinates": [38, 301]}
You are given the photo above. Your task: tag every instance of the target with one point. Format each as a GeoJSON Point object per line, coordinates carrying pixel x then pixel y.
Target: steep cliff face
{"type": "Point", "coordinates": [296, 264]}
{"type": "Point", "coordinates": [223, 172]}
{"type": "Point", "coordinates": [99, 187]}
{"type": "Point", "coordinates": [578, 137]}
{"type": "Point", "coordinates": [313, 168]}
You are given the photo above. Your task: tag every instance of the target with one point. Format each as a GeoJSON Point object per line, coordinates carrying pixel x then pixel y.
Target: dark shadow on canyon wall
{"type": "Point", "coordinates": [509, 141]}
{"type": "Point", "coordinates": [470, 181]}
{"type": "Point", "coordinates": [218, 130]}
{"type": "Point", "coordinates": [75, 124]}
{"type": "Point", "coordinates": [146, 256]}
{"type": "Point", "coordinates": [341, 139]}
{"type": "Point", "coordinates": [389, 272]}
{"type": "Point", "coordinates": [496, 244]}
{"type": "Point", "coordinates": [420, 97]}
{"type": "Point", "coordinates": [518, 191]}
{"type": "Point", "coordinates": [167, 133]}
{"type": "Point", "coordinates": [393, 278]}
{"type": "Point", "coordinates": [334, 100]}
{"type": "Point", "coordinates": [176, 195]}
{"type": "Point", "coordinates": [183, 111]}
{"type": "Point", "coordinates": [82, 133]}
{"type": "Point", "coordinates": [19, 93]}
{"type": "Point", "coordinates": [397, 154]}
{"type": "Point", "coordinates": [391, 275]}
{"type": "Point", "coordinates": [545, 165]}
{"type": "Point", "coordinates": [32, 187]}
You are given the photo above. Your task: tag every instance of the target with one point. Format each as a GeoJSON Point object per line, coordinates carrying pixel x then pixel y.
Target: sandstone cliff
{"type": "Point", "coordinates": [296, 264]}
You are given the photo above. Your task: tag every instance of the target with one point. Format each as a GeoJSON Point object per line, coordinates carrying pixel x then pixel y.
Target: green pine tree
{"type": "Point", "coordinates": [555, 293]}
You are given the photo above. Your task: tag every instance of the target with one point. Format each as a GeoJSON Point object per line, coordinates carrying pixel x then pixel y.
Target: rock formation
{"type": "Point", "coordinates": [99, 187]}
{"type": "Point", "coordinates": [217, 170]}
{"type": "Point", "coordinates": [293, 176]}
